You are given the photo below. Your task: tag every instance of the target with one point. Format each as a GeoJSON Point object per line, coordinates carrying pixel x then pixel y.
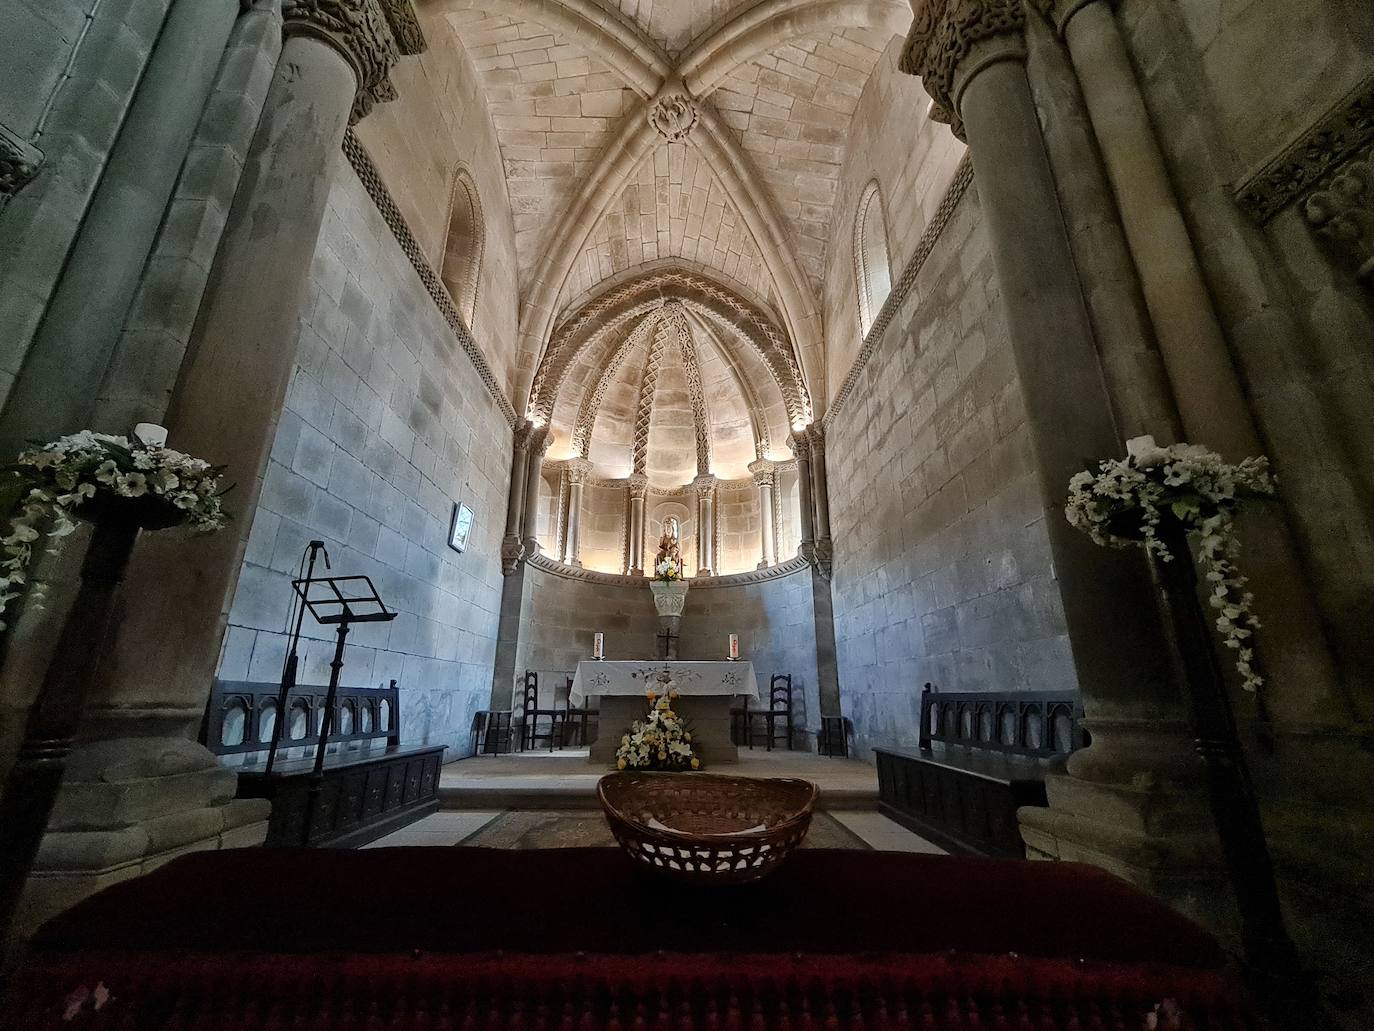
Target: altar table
{"type": "Point", "coordinates": [705, 693]}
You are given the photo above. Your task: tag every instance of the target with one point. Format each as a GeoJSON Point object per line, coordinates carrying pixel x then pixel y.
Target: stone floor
{"type": "Point", "coordinates": [475, 792]}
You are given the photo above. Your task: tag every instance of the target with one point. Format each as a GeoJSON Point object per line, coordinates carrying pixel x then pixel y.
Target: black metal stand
{"type": "Point", "coordinates": [292, 664]}
{"type": "Point", "coordinates": [331, 603]}
{"type": "Point", "coordinates": [1276, 975]}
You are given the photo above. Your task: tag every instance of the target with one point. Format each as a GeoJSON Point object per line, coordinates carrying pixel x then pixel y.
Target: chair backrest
{"type": "Point", "coordinates": [780, 692]}
{"type": "Point", "coordinates": [530, 700]}
{"type": "Point", "coordinates": [1038, 724]}
{"type": "Point", "coordinates": [240, 716]}
{"type": "Point", "coordinates": [562, 692]}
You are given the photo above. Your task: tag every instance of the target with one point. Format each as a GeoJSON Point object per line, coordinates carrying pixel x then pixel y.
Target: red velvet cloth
{"type": "Point", "coordinates": [598, 900]}
{"type": "Point", "coordinates": [568, 940]}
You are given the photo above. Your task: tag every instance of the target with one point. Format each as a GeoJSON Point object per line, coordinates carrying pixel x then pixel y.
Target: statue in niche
{"type": "Point", "coordinates": [668, 561]}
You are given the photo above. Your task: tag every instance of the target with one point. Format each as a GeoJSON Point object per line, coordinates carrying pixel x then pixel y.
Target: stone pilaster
{"type": "Point", "coordinates": [637, 486]}
{"type": "Point", "coordinates": [801, 451]}
{"type": "Point", "coordinates": [705, 490]}
{"type": "Point", "coordinates": [820, 497]}
{"type": "Point", "coordinates": [1115, 809]}
{"type": "Point", "coordinates": [578, 471]}
{"type": "Point", "coordinates": [765, 479]}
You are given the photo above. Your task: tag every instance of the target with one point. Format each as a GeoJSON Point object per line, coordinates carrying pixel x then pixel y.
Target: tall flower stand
{"type": "Point", "coordinates": [1276, 974]}
{"type": "Point", "coordinates": [670, 596]}
{"type": "Point", "coordinates": [55, 716]}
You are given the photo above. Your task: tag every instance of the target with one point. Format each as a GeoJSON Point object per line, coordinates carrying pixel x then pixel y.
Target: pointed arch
{"type": "Point", "coordinates": [464, 243]}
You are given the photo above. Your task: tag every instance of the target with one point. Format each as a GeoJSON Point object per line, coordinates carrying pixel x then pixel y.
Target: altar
{"type": "Point", "coordinates": [705, 690]}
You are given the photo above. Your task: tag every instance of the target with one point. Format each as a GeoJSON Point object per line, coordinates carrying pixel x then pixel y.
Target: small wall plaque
{"type": "Point", "coordinates": [461, 528]}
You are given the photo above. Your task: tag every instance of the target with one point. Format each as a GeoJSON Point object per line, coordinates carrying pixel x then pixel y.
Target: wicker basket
{"type": "Point", "coordinates": [706, 828]}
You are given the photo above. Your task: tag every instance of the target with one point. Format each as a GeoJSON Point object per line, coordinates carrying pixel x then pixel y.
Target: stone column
{"type": "Point", "coordinates": [820, 497]}
{"type": "Point", "coordinates": [143, 789]}
{"type": "Point", "coordinates": [1303, 687]}
{"type": "Point", "coordinates": [764, 479]}
{"type": "Point", "coordinates": [637, 486]}
{"type": "Point", "coordinates": [59, 380]}
{"type": "Point", "coordinates": [801, 451]}
{"type": "Point", "coordinates": [578, 469]}
{"type": "Point", "coordinates": [705, 487]}
{"type": "Point", "coordinates": [540, 439]}
{"type": "Point", "coordinates": [971, 58]}
{"type": "Point", "coordinates": [512, 551]}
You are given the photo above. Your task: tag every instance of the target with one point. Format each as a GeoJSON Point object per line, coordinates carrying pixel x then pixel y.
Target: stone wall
{"type": "Point", "coordinates": [738, 542]}
{"type": "Point", "coordinates": [386, 426]}
{"type": "Point", "coordinates": [440, 123]}
{"type": "Point", "coordinates": [942, 566]}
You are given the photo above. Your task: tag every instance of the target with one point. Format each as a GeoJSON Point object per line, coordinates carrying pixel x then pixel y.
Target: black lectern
{"type": "Point", "coordinates": [338, 601]}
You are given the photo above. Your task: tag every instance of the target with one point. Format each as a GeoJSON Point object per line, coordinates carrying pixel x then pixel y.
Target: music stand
{"type": "Point", "coordinates": [338, 601]}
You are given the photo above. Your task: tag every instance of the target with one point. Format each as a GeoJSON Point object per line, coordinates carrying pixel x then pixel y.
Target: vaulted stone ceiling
{"type": "Point", "coordinates": [736, 182]}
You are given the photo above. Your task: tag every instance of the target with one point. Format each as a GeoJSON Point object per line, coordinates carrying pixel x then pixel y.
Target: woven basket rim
{"type": "Point", "coordinates": [681, 838]}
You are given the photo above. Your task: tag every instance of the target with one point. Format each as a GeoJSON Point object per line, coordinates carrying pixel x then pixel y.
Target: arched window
{"type": "Point", "coordinates": [872, 269]}
{"type": "Point", "coordinates": [463, 247]}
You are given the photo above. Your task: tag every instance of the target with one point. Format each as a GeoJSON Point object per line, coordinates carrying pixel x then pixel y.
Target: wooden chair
{"type": "Point", "coordinates": [530, 734]}
{"type": "Point", "coordinates": [493, 732]}
{"type": "Point", "coordinates": [779, 711]}
{"type": "Point", "coordinates": [833, 737]}
{"type": "Point", "coordinates": [575, 721]}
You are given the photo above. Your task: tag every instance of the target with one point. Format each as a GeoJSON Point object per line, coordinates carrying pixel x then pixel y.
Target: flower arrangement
{"type": "Point", "coordinates": [1121, 504]}
{"type": "Point", "coordinates": [668, 569]}
{"type": "Point", "coordinates": [84, 473]}
{"type": "Point", "coordinates": [660, 741]}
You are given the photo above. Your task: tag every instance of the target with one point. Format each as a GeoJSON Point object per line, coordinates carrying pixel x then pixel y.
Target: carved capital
{"type": "Point", "coordinates": [1342, 214]}
{"type": "Point", "coordinates": [512, 551]}
{"type": "Point", "coordinates": [816, 435]}
{"type": "Point", "coordinates": [365, 33]}
{"type": "Point", "coordinates": [638, 485]}
{"type": "Point", "coordinates": [578, 470]}
{"type": "Point", "coordinates": [801, 446]}
{"type": "Point", "coordinates": [763, 472]}
{"type": "Point", "coordinates": [540, 440]}
{"type": "Point", "coordinates": [19, 162]}
{"type": "Point", "coordinates": [524, 431]}
{"type": "Point", "coordinates": [944, 33]}
{"type": "Point", "coordinates": [673, 113]}
{"type": "Point", "coordinates": [824, 557]}
{"type": "Point", "coordinates": [705, 487]}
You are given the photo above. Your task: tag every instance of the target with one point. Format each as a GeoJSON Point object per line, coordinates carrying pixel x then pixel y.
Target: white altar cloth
{"type": "Point", "coordinates": [598, 678]}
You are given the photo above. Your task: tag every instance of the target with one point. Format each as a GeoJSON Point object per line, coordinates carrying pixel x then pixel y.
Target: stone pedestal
{"type": "Point", "coordinates": [670, 596]}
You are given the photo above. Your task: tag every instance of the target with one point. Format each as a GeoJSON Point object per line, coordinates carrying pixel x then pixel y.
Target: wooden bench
{"type": "Point", "coordinates": [981, 756]}
{"type": "Point", "coordinates": [372, 784]}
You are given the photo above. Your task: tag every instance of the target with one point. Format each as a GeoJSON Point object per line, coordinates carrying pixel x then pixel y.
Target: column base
{"type": "Point", "coordinates": [126, 806]}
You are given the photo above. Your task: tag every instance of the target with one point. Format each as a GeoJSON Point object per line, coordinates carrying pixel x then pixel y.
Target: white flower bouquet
{"type": "Point", "coordinates": [98, 476]}
{"type": "Point", "coordinates": [1121, 504]}
{"type": "Point", "coordinates": [661, 740]}
{"type": "Point", "coordinates": [668, 570]}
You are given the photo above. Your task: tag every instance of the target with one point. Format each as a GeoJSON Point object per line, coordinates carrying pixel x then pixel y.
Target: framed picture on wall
{"type": "Point", "coordinates": [461, 528]}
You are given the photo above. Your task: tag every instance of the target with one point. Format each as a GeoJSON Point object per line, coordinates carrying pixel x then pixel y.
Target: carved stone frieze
{"type": "Point", "coordinates": [400, 15]}
{"type": "Point", "coordinates": [19, 162]}
{"type": "Point", "coordinates": [673, 113]}
{"type": "Point", "coordinates": [1311, 160]}
{"type": "Point", "coordinates": [1342, 213]}
{"type": "Point", "coordinates": [943, 33]}
{"type": "Point", "coordinates": [362, 32]}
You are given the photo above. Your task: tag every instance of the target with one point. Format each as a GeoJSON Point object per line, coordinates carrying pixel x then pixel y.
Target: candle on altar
{"type": "Point", "coordinates": [598, 646]}
{"type": "Point", "coordinates": [734, 646]}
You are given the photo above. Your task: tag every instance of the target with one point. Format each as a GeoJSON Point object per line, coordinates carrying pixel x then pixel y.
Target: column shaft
{"type": "Point", "coordinates": [57, 385]}
{"type": "Point", "coordinates": [539, 443]}
{"type": "Point", "coordinates": [768, 547]}
{"type": "Point", "coordinates": [235, 376]}
{"type": "Point", "coordinates": [1118, 643]}
{"type": "Point", "coordinates": [636, 564]}
{"type": "Point", "coordinates": [575, 523]}
{"type": "Point", "coordinates": [802, 451]}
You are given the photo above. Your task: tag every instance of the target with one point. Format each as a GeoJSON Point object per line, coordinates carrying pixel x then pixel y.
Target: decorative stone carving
{"type": "Point", "coordinates": [705, 486]}
{"type": "Point", "coordinates": [673, 113]}
{"type": "Point", "coordinates": [638, 485]}
{"type": "Point", "coordinates": [824, 557]}
{"type": "Point", "coordinates": [662, 331]}
{"type": "Point", "coordinates": [19, 162]}
{"type": "Point", "coordinates": [943, 32]}
{"type": "Point", "coordinates": [801, 445]}
{"type": "Point", "coordinates": [762, 471]}
{"type": "Point", "coordinates": [512, 551]}
{"type": "Point", "coordinates": [1343, 213]}
{"type": "Point", "coordinates": [524, 431]}
{"type": "Point", "coordinates": [361, 31]}
{"type": "Point", "coordinates": [1334, 139]}
{"type": "Point", "coordinates": [577, 469]}
{"type": "Point", "coordinates": [400, 15]}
